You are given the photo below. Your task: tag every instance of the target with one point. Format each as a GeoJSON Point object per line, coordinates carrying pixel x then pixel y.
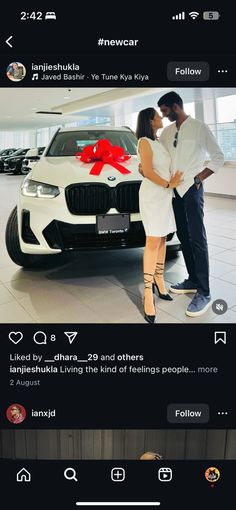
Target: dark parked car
{"type": "Point", "coordinates": [28, 162]}
{"type": "Point", "coordinates": [14, 162]}
{"type": "Point", "coordinates": [5, 153]}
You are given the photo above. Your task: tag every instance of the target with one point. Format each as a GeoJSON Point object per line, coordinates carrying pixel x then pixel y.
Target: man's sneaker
{"type": "Point", "coordinates": [199, 305]}
{"type": "Point", "coordinates": [184, 288]}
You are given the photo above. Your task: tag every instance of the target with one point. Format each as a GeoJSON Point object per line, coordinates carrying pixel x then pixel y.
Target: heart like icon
{"type": "Point", "coordinates": [15, 336]}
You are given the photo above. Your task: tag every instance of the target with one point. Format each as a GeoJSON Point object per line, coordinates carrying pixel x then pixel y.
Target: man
{"type": "Point", "coordinates": [189, 141]}
{"type": "Point", "coordinates": [150, 456]}
{"type": "Point", "coordinates": [14, 72]}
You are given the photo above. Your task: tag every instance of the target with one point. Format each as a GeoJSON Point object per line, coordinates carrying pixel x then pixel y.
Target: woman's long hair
{"type": "Point", "coordinates": [144, 127]}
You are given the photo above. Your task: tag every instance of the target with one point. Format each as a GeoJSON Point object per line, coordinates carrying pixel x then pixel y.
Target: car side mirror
{"type": "Point", "coordinates": [32, 154]}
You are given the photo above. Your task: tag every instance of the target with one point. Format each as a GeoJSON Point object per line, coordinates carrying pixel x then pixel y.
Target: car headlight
{"type": "Point", "coordinates": [36, 189]}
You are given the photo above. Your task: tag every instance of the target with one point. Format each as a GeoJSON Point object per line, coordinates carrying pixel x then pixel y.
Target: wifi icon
{"type": "Point", "coordinates": [194, 14]}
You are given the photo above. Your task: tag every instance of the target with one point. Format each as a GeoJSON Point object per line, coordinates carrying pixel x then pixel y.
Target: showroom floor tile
{"type": "Point", "coordinates": [230, 277]}
{"type": "Point", "coordinates": [229, 316]}
{"type": "Point", "coordinates": [226, 256]}
{"type": "Point", "coordinates": [221, 289]}
{"type": "Point", "coordinates": [5, 295]}
{"type": "Point", "coordinates": [100, 287]}
{"type": "Point", "coordinates": [13, 312]}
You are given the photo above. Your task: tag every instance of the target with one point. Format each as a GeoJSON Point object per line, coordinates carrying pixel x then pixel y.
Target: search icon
{"type": "Point", "coordinates": [70, 474]}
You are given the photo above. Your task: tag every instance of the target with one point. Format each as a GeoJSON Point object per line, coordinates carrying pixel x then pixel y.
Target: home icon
{"type": "Point", "coordinates": [23, 476]}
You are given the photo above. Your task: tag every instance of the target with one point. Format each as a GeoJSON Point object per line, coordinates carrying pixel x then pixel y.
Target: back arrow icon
{"type": "Point", "coordinates": [8, 41]}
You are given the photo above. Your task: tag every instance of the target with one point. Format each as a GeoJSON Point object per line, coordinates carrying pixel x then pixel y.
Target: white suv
{"type": "Point", "coordinates": [64, 206]}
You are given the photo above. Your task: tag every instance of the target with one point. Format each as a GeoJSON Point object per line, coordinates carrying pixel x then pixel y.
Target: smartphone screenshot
{"type": "Point", "coordinates": [118, 258]}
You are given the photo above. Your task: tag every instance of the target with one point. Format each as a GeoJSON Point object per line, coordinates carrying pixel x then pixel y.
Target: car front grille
{"type": "Point", "coordinates": [66, 236]}
{"type": "Point", "coordinates": [87, 198]}
{"type": "Point", "coordinates": [126, 197]}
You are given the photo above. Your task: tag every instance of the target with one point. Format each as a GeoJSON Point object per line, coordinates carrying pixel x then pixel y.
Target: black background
{"type": "Point", "coordinates": [79, 25]}
{"type": "Point", "coordinates": [155, 68]}
{"type": "Point", "coordinates": [188, 489]}
{"type": "Point", "coordinates": [75, 34]}
{"type": "Point", "coordinates": [120, 401]}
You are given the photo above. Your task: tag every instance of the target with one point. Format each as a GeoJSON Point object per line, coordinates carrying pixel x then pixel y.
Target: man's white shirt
{"type": "Point", "coordinates": [194, 144]}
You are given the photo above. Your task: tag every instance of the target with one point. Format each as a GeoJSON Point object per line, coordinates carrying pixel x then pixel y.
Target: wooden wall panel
{"type": "Point", "coordinates": [134, 443]}
{"type": "Point", "coordinates": [48, 444]}
{"type": "Point", "coordinates": [195, 447]}
{"type": "Point", "coordinates": [155, 441]}
{"type": "Point", "coordinates": [77, 435]}
{"type": "Point", "coordinates": [215, 445]}
{"type": "Point", "coordinates": [31, 444]}
{"type": "Point", "coordinates": [107, 444]}
{"type": "Point", "coordinates": [117, 444]}
{"type": "Point", "coordinates": [91, 444]}
{"type": "Point", "coordinates": [175, 444]}
{"type": "Point", "coordinates": [25, 444]}
{"type": "Point", "coordinates": [66, 443]}
{"type": "Point", "coordinates": [20, 444]}
{"type": "Point", "coordinates": [230, 447]}
{"type": "Point", "coordinates": [8, 444]}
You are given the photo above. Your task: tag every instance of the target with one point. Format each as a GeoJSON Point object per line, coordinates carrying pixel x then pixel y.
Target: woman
{"type": "Point", "coordinates": [155, 201]}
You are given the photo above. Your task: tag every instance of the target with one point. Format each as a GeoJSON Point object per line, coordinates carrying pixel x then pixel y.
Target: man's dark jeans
{"type": "Point", "coordinates": [191, 232]}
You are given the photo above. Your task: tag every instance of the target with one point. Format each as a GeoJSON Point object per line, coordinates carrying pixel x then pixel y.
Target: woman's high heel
{"type": "Point", "coordinates": [148, 284]}
{"type": "Point", "coordinates": [159, 272]}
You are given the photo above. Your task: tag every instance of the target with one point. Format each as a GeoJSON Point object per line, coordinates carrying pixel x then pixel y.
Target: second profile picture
{"type": "Point", "coordinates": [16, 71]}
{"type": "Point", "coordinates": [16, 413]}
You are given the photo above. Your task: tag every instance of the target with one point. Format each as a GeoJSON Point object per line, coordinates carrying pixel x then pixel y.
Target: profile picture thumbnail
{"type": "Point", "coordinates": [212, 474]}
{"type": "Point", "coordinates": [16, 71]}
{"type": "Point", "coordinates": [16, 413]}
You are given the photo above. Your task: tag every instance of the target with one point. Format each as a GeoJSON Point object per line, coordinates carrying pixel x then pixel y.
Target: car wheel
{"type": "Point", "coordinates": [17, 169]}
{"type": "Point", "coordinates": [1, 168]}
{"type": "Point", "coordinates": [13, 244]}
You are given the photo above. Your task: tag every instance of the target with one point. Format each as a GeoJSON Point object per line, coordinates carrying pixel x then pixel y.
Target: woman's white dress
{"type": "Point", "coordinates": [155, 202]}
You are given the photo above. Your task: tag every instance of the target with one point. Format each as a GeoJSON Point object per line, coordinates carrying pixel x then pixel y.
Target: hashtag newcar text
{"type": "Point", "coordinates": [117, 42]}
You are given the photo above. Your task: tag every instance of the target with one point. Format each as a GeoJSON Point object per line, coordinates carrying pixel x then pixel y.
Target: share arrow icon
{"type": "Point", "coordinates": [71, 335]}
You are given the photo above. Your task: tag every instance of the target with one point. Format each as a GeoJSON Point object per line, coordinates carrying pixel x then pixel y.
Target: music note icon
{"type": "Point", "coordinates": [35, 76]}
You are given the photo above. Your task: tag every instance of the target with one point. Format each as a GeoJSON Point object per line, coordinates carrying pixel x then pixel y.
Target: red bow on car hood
{"type": "Point", "coordinates": [103, 153]}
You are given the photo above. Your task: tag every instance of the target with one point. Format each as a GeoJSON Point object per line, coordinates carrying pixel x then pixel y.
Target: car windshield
{"type": "Point", "coordinates": [20, 152]}
{"type": "Point", "coordinates": [6, 152]}
{"type": "Point", "coordinates": [68, 143]}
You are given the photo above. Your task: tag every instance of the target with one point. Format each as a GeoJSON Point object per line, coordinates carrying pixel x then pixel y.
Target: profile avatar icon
{"type": "Point", "coordinates": [212, 474]}
{"type": "Point", "coordinates": [16, 414]}
{"type": "Point", "coordinates": [16, 71]}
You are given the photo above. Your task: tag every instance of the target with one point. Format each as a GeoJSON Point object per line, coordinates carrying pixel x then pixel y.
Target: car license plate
{"type": "Point", "coordinates": [113, 223]}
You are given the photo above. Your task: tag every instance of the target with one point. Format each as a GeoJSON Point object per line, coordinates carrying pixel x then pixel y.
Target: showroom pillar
{"type": "Point", "coordinates": [210, 113]}
{"type": "Point", "coordinates": [33, 138]}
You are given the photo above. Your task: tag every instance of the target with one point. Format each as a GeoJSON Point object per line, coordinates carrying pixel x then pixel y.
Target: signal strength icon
{"type": "Point", "coordinates": [71, 335]}
{"type": "Point", "coordinates": [179, 17]}
{"type": "Point", "coordinates": [194, 14]}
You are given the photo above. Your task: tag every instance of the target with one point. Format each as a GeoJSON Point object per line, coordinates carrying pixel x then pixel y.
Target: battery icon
{"type": "Point", "coordinates": [211, 15]}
